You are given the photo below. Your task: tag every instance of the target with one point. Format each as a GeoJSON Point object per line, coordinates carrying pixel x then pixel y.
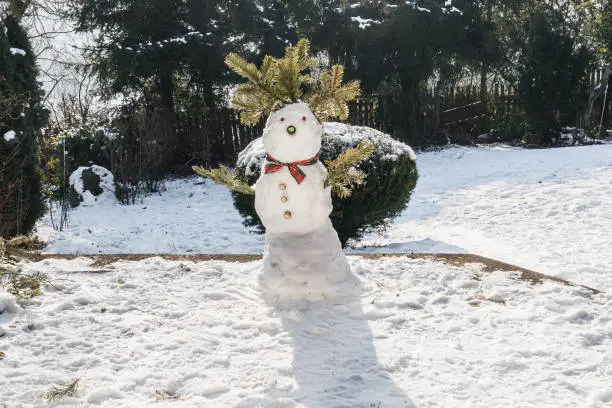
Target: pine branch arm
{"type": "Point", "coordinates": [342, 172]}
{"type": "Point", "coordinates": [223, 176]}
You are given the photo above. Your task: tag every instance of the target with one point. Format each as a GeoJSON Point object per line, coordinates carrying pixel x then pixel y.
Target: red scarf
{"type": "Point", "coordinates": [273, 165]}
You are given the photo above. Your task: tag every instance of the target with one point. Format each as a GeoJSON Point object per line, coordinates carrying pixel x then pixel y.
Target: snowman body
{"type": "Point", "coordinates": [284, 206]}
{"type": "Point", "coordinates": [303, 256]}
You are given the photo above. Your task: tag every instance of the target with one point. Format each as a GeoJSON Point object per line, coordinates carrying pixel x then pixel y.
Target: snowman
{"type": "Point", "coordinates": [303, 256]}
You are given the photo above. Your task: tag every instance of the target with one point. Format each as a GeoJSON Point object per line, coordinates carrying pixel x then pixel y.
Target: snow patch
{"type": "Point", "coordinates": [103, 394]}
{"type": "Point", "coordinates": [10, 135]}
{"type": "Point", "coordinates": [8, 303]}
{"type": "Point", "coordinates": [17, 51]}
{"type": "Point", "coordinates": [364, 22]}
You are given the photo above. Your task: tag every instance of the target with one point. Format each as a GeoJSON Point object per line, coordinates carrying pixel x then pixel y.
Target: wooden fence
{"type": "Point", "coordinates": [219, 136]}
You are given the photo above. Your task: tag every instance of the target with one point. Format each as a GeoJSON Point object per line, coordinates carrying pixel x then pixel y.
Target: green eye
{"type": "Point", "coordinates": [291, 130]}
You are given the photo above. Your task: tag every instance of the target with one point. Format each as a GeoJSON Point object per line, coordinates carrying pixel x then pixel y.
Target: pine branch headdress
{"type": "Point", "coordinates": [280, 82]}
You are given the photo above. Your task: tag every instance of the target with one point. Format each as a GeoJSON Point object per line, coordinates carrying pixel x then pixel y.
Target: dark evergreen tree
{"type": "Point", "coordinates": [604, 31]}
{"type": "Point", "coordinates": [553, 71]}
{"type": "Point", "coordinates": [148, 44]}
{"type": "Point", "coordinates": [21, 119]}
{"type": "Point", "coordinates": [275, 27]}
{"type": "Point", "coordinates": [400, 48]}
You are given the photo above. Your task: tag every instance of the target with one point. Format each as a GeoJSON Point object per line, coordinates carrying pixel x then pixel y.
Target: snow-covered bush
{"type": "Point", "coordinates": [391, 177]}
{"type": "Point", "coordinates": [63, 150]}
{"type": "Point", "coordinates": [91, 185]}
{"type": "Point", "coordinates": [133, 144]}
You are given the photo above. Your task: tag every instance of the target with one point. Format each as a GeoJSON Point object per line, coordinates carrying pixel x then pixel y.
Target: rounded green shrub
{"type": "Point", "coordinates": [391, 177]}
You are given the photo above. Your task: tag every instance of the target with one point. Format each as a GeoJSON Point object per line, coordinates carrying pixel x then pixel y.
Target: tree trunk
{"type": "Point", "coordinates": [484, 68]}
{"type": "Point", "coordinates": [166, 90]}
{"type": "Point", "coordinates": [483, 83]}
{"type": "Point", "coordinates": [18, 8]}
{"type": "Point", "coordinates": [606, 102]}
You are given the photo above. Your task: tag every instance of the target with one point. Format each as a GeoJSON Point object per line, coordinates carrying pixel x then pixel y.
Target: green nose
{"type": "Point", "coordinates": [291, 130]}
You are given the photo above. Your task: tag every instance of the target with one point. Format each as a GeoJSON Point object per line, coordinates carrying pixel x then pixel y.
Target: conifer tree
{"type": "Point", "coordinates": [146, 44]}
{"type": "Point", "coordinates": [21, 119]}
{"type": "Point", "coordinates": [553, 73]}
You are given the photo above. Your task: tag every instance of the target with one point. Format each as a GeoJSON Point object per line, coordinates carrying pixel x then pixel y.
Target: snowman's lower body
{"type": "Point", "coordinates": [305, 267]}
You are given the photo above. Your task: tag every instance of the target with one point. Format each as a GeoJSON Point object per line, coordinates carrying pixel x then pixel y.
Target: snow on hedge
{"type": "Point", "coordinates": [348, 136]}
{"type": "Point", "coordinates": [334, 133]}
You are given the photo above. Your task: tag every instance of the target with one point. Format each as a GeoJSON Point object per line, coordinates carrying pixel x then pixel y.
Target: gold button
{"type": "Point", "coordinates": [284, 199]}
{"type": "Point", "coordinates": [282, 186]}
{"type": "Point", "coordinates": [287, 215]}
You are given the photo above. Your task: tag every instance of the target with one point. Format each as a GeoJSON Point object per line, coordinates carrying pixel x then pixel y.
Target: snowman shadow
{"type": "Point", "coordinates": [334, 360]}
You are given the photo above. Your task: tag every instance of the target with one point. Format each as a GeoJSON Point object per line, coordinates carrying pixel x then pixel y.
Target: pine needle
{"type": "Point", "coordinates": [165, 396]}
{"type": "Point", "coordinates": [330, 98]}
{"type": "Point", "coordinates": [61, 391]}
{"type": "Point", "coordinates": [223, 176]}
{"type": "Point", "coordinates": [259, 97]}
{"type": "Point", "coordinates": [22, 286]}
{"type": "Point", "coordinates": [280, 82]}
{"type": "Point", "coordinates": [342, 173]}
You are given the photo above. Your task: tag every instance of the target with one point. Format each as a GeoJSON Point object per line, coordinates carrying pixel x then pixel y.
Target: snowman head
{"type": "Point", "coordinates": [292, 133]}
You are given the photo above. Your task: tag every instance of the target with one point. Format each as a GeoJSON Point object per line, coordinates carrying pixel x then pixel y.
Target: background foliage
{"type": "Point", "coordinates": [21, 112]}
{"type": "Point", "coordinates": [157, 68]}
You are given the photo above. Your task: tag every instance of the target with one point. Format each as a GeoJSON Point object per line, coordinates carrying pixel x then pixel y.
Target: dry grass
{"type": "Point", "coordinates": [23, 286]}
{"type": "Point", "coordinates": [60, 391]}
{"type": "Point", "coordinates": [165, 396]}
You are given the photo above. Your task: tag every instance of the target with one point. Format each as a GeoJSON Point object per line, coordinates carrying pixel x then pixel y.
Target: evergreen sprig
{"type": "Point", "coordinates": [259, 97]}
{"type": "Point", "coordinates": [61, 391]}
{"type": "Point", "coordinates": [342, 172]}
{"type": "Point", "coordinates": [331, 96]}
{"type": "Point", "coordinates": [223, 176]}
{"type": "Point", "coordinates": [23, 286]}
{"type": "Point", "coordinates": [290, 77]}
{"type": "Point", "coordinates": [280, 82]}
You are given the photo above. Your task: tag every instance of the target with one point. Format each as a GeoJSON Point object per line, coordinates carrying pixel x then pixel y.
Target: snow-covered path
{"type": "Point", "coordinates": [420, 334]}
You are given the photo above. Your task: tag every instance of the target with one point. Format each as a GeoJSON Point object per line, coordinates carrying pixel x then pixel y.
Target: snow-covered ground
{"type": "Point", "coordinates": [549, 210]}
{"type": "Point", "coordinates": [416, 334]}
{"type": "Point", "coordinates": [191, 216]}
{"type": "Point", "coordinates": [413, 332]}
